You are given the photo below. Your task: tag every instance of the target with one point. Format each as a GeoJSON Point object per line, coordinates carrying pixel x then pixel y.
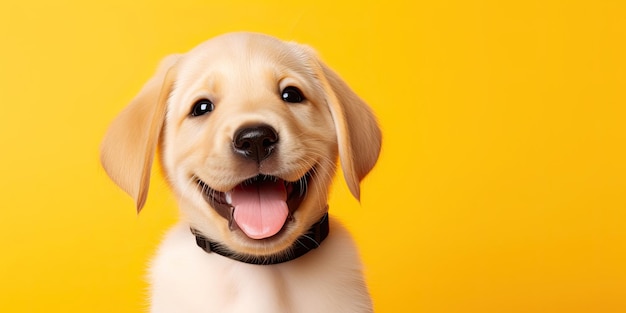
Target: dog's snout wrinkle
{"type": "Point", "coordinates": [256, 142]}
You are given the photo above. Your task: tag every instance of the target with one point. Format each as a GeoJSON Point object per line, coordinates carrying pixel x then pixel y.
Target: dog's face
{"type": "Point", "coordinates": [248, 138]}
{"type": "Point", "coordinates": [250, 128]}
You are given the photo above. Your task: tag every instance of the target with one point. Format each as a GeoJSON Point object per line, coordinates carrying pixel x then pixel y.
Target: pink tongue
{"type": "Point", "coordinates": [260, 209]}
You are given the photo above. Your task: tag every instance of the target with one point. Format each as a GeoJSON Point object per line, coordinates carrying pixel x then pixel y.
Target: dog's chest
{"type": "Point", "coordinates": [186, 279]}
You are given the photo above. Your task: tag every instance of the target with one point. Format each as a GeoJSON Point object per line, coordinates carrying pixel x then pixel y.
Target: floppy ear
{"type": "Point", "coordinates": [129, 145]}
{"type": "Point", "coordinates": [358, 134]}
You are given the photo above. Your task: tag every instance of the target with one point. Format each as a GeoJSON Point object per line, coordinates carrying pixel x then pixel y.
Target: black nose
{"type": "Point", "coordinates": [256, 142]}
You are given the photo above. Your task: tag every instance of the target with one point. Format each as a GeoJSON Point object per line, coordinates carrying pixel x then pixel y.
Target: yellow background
{"type": "Point", "coordinates": [501, 185]}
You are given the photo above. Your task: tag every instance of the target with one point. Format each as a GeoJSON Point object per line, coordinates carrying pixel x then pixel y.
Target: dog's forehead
{"type": "Point", "coordinates": [245, 54]}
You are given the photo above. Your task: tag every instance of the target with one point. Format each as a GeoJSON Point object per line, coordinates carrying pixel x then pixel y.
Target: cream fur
{"type": "Point", "coordinates": [243, 75]}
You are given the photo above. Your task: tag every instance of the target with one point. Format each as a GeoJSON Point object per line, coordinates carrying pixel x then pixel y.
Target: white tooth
{"type": "Point", "coordinates": [228, 197]}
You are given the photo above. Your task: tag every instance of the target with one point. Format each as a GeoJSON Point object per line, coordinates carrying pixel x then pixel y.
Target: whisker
{"type": "Point", "coordinates": [310, 238]}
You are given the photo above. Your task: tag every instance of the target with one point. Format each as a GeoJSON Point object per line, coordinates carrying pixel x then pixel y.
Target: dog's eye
{"type": "Point", "coordinates": [201, 107]}
{"type": "Point", "coordinates": [292, 95]}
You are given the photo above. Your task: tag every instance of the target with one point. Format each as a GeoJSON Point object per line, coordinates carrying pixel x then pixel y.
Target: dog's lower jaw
{"type": "Point", "coordinates": [303, 212]}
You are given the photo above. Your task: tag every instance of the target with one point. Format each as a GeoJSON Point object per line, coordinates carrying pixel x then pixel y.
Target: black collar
{"type": "Point", "coordinates": [305, 243]}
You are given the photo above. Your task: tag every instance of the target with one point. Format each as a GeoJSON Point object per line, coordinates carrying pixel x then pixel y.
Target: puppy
{"type": "Point", "coordinates": [249, 130]}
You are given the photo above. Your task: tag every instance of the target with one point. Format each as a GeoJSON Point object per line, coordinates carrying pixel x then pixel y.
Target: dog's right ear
{"type": "Point", "coordinates": [130, 143]}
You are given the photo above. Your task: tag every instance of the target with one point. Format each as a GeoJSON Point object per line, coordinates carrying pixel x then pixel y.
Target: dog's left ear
{"type": "Point", "coordinates": [130, 143]}
{"type": "Point", "coordinates": [358, 134]}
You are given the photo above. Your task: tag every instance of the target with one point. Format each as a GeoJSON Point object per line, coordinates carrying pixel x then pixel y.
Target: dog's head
{"type": "Point", "coordinates": [249, 129]}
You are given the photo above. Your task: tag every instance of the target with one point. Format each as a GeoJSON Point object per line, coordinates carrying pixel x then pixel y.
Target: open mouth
{"type": "Point", "coordinates": [260, 206]}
